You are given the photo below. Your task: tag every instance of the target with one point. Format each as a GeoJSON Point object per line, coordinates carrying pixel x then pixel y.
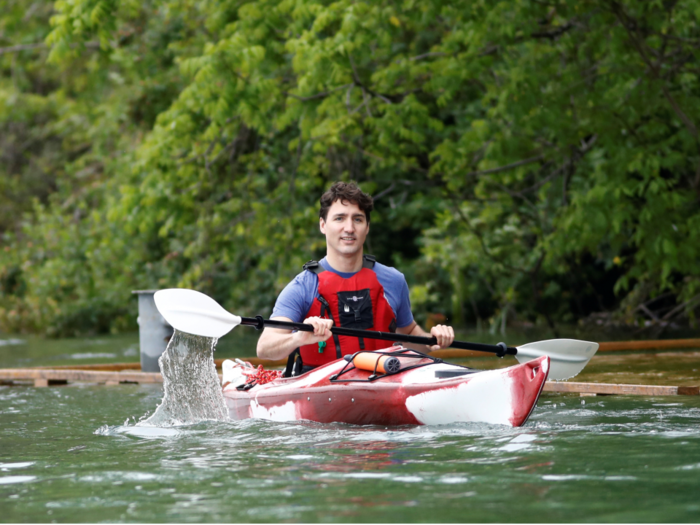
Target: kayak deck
{"type": "Point", "coordinates": [427, 395]}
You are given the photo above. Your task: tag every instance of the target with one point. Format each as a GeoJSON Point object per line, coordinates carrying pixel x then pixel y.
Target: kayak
{"type": "Point", "coordinates": [419, 390]}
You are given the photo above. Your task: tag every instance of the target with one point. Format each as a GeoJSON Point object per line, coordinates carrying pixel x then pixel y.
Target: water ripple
{"type": "Point", "coordinates": [610, 459]}
{"type": "Point", "coordinates": [7, 480]}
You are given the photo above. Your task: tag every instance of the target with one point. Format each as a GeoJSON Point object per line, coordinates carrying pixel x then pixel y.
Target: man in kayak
{"type": "Point", "coordinates": [345, 288]}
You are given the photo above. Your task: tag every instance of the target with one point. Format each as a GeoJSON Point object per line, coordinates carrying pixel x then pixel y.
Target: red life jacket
{"type": "Point", "coordinates": [356, 302]}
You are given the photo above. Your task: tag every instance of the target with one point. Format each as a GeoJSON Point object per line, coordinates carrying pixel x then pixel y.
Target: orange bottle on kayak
{"type": "Point", "coordinates": [383, 364]}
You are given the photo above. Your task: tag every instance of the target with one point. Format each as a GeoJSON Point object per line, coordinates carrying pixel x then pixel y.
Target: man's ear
{"type": "Point", "coordinates": [322, 225]}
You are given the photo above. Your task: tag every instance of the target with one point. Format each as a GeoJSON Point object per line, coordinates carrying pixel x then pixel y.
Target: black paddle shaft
{"type": "Point", "coordinates": [500, 349]}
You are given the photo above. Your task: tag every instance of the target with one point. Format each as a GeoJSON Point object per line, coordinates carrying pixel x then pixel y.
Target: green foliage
{"type": "Point", "coordinates": [518, 150]}
{"type": "Point", "coordinates": [69, 131]}
{"type": "Point", "coordinates": [583, 142]}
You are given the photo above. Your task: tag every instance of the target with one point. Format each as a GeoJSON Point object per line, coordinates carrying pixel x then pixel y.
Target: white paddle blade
{"type": "Point", "coordinates": [194, 313]}
{"type": "Point", "coordinates": [567, 356]}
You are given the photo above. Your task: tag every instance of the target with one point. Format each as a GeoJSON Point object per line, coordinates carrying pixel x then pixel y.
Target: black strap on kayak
{"type": "Point", "coordinates": [448, 374]}
{"type": "Point", "coordinates": [294, 364]}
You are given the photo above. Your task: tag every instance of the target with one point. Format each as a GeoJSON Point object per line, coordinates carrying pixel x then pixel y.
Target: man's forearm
{"type": "Point", "coordinates": [417, 331]}
{"type": "Point", "coordinates": [276, 344]}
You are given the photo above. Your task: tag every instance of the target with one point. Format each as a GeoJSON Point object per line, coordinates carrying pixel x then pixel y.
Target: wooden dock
{"type": "Point", "coordinates": [116, 374]}
{"type": "Point", "coordinates": [657, 344]}
{"type": "Point", "coordinates": [121, 373]}
{"type": "Point", "coordinates": [41, 377]}
{"type": "Point", "coordinates": [607, 389]}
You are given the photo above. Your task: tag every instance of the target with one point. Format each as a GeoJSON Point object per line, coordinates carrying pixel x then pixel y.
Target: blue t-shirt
{"type": "Point", "coordinates": [296, 298]}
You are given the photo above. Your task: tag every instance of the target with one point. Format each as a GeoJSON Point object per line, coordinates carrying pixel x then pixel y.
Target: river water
{"type": "Point", "coordinates": [76, 453]}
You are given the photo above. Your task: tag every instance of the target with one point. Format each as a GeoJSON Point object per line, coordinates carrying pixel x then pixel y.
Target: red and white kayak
{"type": "Point", "coordinates": [425, 392]}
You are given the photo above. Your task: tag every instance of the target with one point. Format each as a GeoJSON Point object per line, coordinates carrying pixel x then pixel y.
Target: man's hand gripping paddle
{"type": "Point", "coordinates": [196, 313]}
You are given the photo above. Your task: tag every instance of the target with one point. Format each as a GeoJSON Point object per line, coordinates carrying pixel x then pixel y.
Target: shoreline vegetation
{"type": "Point", "coordinates": [533, 164]}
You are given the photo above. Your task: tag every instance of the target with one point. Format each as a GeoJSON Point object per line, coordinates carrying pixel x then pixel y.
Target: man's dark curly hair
{"type": "Point", "coordinates": [346, 192]}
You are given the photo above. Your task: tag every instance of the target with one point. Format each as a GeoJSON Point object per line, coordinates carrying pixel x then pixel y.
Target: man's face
{"type": "Point", "coordinates": [345, 228]}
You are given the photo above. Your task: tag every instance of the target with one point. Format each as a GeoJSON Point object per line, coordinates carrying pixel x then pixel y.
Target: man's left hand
{"type": "Point", "coordinates": [444, 335]}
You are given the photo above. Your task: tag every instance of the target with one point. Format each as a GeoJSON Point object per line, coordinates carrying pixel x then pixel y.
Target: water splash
{"type": "Point", "coordinates": [192, 391]}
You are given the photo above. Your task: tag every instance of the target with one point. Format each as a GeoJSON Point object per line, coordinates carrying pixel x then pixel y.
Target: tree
{"type": "Point", "coordinates": [525, 145]}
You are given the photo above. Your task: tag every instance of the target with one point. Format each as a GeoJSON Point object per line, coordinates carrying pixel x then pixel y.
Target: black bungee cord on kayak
{"type": "Point", "coordinates": [392, 370]}
{"type": "Point", "coordinates": [393, 365]}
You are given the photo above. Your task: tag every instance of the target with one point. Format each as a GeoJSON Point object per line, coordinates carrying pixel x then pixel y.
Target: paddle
{"type": "Point", "coordinates": [196, 313]}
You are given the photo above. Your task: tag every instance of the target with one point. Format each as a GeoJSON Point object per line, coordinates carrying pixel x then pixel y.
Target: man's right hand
{"type": "Point", "coordinates": [322, 331]}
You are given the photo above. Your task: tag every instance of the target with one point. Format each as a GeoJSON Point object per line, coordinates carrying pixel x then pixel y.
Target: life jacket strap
{"type": "Point", "coordinates": [325, 307]}
{"type": "Point", "coordinates": [314, 266]}
{"type": "Point", "coordinates": [368, 261]}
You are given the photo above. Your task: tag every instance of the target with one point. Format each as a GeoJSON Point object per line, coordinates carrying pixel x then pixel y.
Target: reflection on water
{"type": "Point", "coordinates": [192, 391]}
{"type": "Point", "coordinates": [64, 457]}
{"type": "Point", "coordinates": [11, 341]}
{"type": "Point", "coordinates": [67, 454]}
{"type": "Point", "coordinates": [6, 480]}
{"type": "Point", "coordinates": [138, 431]}
{"type": "Point", "coordinates": [91, 355]}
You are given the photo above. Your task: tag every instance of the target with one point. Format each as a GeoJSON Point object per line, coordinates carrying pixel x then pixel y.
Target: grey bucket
{"type": "Point", "coordinates": [154, 331]}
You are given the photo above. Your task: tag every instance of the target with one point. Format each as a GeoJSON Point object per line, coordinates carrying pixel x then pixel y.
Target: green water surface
{"type": "Point", "coordinates": [73, 454]}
